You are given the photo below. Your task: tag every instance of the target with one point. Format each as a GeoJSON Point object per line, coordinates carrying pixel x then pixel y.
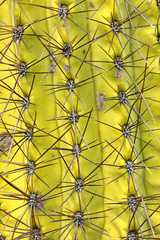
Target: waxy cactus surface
{"type": "Point", "coordinates": [79, 119]}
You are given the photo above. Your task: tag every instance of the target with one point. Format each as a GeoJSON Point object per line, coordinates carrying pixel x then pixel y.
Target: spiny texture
{"type": "Point", "coordinates": [79, 119]}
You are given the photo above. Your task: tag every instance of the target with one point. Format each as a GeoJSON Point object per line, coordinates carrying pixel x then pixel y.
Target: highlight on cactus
{"type": "Point", "coordinates": [79, 119]}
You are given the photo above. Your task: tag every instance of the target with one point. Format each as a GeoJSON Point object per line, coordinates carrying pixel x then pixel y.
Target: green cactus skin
{"type": "Point", "coordinates": [79, 119]}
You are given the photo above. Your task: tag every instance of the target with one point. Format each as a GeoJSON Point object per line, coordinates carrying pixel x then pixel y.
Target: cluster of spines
{"type": "Point", "coordinates": [78, 120]}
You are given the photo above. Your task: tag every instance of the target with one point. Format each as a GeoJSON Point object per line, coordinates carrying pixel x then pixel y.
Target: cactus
{"type": "Point", "coordinates": [79, 119]}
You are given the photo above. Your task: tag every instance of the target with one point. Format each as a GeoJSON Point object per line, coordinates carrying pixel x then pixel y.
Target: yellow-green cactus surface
{"type": "Point", "coordinates": [79, 119]}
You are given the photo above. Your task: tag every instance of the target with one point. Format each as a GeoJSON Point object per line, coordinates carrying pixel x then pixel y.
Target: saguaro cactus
{"type": "Point", "coordinates": [79, 119]}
